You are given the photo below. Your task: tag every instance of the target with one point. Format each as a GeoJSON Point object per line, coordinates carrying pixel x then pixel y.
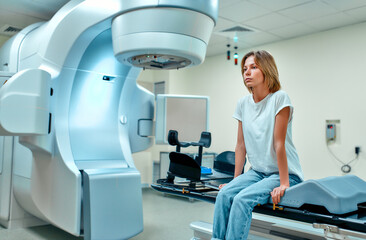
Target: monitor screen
{"type": "Point", "coordinates": [184, 113]}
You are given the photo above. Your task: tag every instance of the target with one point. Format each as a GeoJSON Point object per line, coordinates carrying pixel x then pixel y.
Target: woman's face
{"type": "Point", "coordinates": [252, 75]}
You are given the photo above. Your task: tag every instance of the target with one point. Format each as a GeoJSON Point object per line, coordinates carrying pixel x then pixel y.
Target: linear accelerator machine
{"type": "Point", "coordinates": [72, 114]}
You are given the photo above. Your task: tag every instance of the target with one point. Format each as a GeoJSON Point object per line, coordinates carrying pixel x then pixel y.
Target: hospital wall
{"type": "Point", "coordinates": [3, 39]}
{"type": "Point", "coordinates": [324, 75]}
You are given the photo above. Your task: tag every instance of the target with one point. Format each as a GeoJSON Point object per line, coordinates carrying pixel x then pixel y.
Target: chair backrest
{"type": "Point", "coordinates": [225, 162]}
{"type": "Point", "coordinates": [182, 165]}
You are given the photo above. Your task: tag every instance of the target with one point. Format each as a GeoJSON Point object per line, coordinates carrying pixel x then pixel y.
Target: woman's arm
{"type": "Point", "coordinates": [240, 151]}
{"type": "Point", "coordinates": [280, 130]}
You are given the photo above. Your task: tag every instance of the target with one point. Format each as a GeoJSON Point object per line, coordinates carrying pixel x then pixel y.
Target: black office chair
{"type": "Point", "coordinates": [183, 165]}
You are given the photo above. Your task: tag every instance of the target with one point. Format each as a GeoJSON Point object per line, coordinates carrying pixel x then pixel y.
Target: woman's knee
{"type": "Point", "coordinates": [248, 200]}
{"type": "Point", "coordinates": [240, 201]}
{"type": "Point", "coordinates": [223, 196]}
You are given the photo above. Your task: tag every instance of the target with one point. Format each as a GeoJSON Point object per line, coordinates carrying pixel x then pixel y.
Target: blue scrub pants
{"type": "Point", "coordinates": [235, 203]}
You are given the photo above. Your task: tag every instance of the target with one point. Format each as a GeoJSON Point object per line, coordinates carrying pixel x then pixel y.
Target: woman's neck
{"type": "Point", "coordinates": [260, 94]}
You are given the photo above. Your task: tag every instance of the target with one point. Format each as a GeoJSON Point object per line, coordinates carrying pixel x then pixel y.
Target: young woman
{"type": "Point", "coordinates": [265, 137]}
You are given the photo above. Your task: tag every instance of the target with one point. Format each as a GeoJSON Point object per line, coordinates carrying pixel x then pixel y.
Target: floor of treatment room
{"type": "Point", "coordinates": [165, 217]}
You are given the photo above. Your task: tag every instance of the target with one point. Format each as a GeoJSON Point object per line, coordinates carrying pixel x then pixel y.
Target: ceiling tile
{"type": "Point", "coordinates": [16, 19]}
{"type": "Point", "coordinates": [228, 36]}
{"type": "Point", "coordinates": [222, 24]}
{"type": "Point", "coordinates": [331, 21]}
{"type": "Point", "coordinates": [257, 38]}
{"type": "Point", "coordinates": [294, 30]}
{"type": "Point", "coordinates": [278, 4]}
{"type": "Point", "coordinates": [359, 13]}
{"type": "Point", "coordinates": [215, 38]}
{"type": "Point", "coordinates": [36, 8]}
{"type": "Point", "coordinates": [269, 21]}
{"type": "Point", "coordinates": [309, 10]}
{"type": "Point", "coordinates": [343, 5]}
{"type": "Point", "coordinates": [226, 3]}
{"type": "Point", "coordinates": [242, 11]}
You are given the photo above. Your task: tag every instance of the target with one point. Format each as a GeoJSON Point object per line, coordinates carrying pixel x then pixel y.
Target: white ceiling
{"type": "Point", "coordinates": [269, 20]}
{"type": "Point", "coordinates": [21, 13]}
{"type": "Point", "coordinates": [275, 20]}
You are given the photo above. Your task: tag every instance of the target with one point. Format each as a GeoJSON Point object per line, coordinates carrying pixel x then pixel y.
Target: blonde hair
{"type": "Point", "coordinates": [266, 63]}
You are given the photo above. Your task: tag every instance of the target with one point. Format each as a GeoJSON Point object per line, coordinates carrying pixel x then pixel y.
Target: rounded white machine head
{"type": "Point", "coordinates": [162, 37]}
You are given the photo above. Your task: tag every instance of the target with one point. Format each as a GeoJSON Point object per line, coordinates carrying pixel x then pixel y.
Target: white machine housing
{"type": "Point", "coordinates": [75, 111]}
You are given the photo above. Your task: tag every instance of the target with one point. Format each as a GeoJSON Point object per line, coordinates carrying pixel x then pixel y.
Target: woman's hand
{"type": "Point", "coordinates": [277, 193]}
{"type": "Point", "coordinates": [221, 186]}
